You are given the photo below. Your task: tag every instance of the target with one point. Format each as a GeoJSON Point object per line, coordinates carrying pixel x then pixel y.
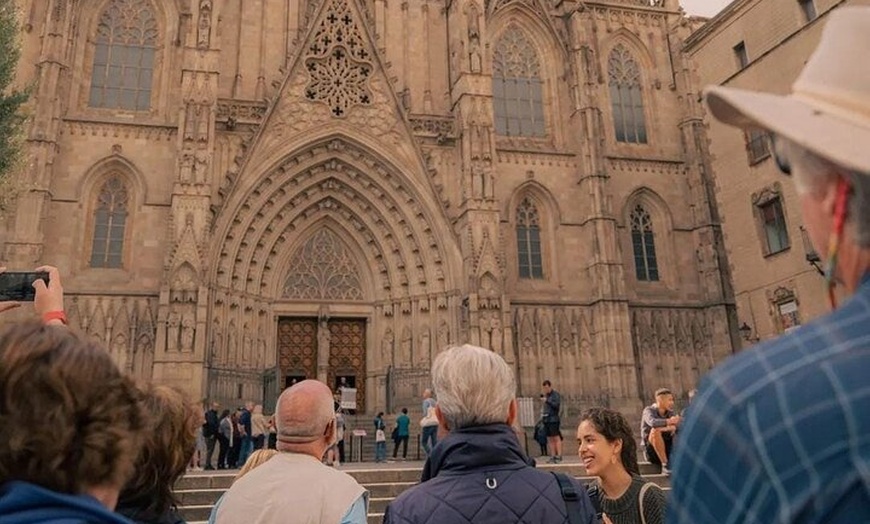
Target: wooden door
{"type": "Point", "coordinates": [347, 356]}
{"type": "Point", "coordinates": [297, 349]}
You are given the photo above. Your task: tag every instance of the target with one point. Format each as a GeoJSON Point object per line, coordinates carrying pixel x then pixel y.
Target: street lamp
{"type": "Point", "coordinates": [811, 254]}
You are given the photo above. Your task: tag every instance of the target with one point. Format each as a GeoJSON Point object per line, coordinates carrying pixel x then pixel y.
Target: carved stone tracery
{"type": "Point", "coordinates": [323, 269]}
{"type": "Point", "coordinates": [338, 63]}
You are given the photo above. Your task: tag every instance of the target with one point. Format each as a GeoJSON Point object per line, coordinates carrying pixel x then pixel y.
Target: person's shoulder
{"type": "Point", "coordinates": [783, 360]}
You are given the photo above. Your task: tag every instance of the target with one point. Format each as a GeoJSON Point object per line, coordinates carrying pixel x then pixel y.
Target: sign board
{"type": "Point", "coordinates": [529, 411]}
{"type": "Point", "coordinates": [348, 398]}
{"type": "Point", "coordinates": [359, 433]}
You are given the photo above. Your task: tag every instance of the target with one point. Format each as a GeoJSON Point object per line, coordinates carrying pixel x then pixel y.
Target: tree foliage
{"type": "Point", "coordinates": [11, 98]}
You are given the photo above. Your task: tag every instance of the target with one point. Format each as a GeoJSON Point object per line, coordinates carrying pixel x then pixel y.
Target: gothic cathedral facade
{"type": "Point", "coordinates": [243, 193]}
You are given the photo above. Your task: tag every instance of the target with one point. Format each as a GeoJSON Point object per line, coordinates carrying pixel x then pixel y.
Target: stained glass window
{"type": "Point", "coordinates": [126, 44]}
{"type": "Point", "coordinates": [518, 91]}
{"type": "Point", "coordinates": [643, 244]}
{"type": "Point", "coordinates": [529, 240]}
{"type": "Point", "coordinates": [110, 221]}
{"type": "Point", "coordinates": [626, 95]}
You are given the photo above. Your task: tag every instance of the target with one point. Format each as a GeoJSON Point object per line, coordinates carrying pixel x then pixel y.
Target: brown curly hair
{"type": "Point", "coordinates": [72, 420]}
{"type": "Point", "coordinates": [613, 426]}
{"type": "Point", "coordinates": [165, 452]}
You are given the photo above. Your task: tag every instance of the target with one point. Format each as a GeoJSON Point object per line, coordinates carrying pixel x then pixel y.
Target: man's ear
{"type": "Point", "coordinates": [330, 433]}
{"type": "Point", "coordinates": [441, 420]}
{"type": "Point", "coordinates": [512, 412]}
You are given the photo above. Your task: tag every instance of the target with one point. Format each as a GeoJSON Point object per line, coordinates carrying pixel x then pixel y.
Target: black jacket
{"type": "Point", "coordinates": [212, 424]}
{"type": "Point", "coordinates": [481, 475]}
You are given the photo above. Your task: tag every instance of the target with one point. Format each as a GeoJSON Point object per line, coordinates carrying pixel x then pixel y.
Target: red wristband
{"type": "Point", "coordinates": [54, 315]}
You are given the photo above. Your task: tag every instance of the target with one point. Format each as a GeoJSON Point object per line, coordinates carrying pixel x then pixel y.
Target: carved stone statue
{"type": "Point", "coordinates": [323, 337]}
{"type": "Point", "coordinates": [425, 349]}
{"type": "Point", "coordinates": [187, 332]}
{"type": "Point", "coordinates": [172, 331]}
{"type": "Point", "coordinates": [497, 336]}
{"type": "Point", "coordinates": [203, 30]}
{"type": "Point", "coordinates": [232, 345]}
{"type": "Point", "coordinates": [407, 343]}
{"type": "Point", "coordinates": [248, 350]}
{"type": "Point", "coordinates": [475, 57]}
{"type": "Point", "coordinates": [216, 342]}
{"type": "Point", "coordinates": [443, 335]}
{"type": "Point", "coordinates": [387, 347]}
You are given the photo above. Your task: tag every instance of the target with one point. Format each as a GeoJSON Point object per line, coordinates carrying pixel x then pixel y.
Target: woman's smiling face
{"type": "Point", "coordinates": [597, 454]}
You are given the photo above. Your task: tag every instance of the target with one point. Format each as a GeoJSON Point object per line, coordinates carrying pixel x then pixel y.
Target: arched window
{"type": "Point", "coordinates": [644, 245]}
{"type": "Point", "coordinates": [626, 95]}
{"type": "Point", "coordinates": [110, 221]}
{"type": "Point", "coordinates": [517, 88]}
{"type": "Point", "coordinates": [126, 43]}
{"type": "Point", "coordinates": [529, 240]}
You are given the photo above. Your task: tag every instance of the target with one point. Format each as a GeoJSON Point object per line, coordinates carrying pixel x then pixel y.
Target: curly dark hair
{"type": "Point", "coordinates": [72, 419]}
{"type": "Point", "coordinates": [613, 426]}
{"type": "Point", "coordinates": [165, 453]}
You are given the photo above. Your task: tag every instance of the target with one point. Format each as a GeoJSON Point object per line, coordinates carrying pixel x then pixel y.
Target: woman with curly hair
{"type": "Point", "coordinates": [608, 451]}
{"type": "Point", "coordinates": [148, 498]}
{"type": "Point", "coordinates": [71, 427]}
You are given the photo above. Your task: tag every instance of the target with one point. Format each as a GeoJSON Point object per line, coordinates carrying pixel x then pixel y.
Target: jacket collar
{"type": "Point", "coordinates": [469, 449]}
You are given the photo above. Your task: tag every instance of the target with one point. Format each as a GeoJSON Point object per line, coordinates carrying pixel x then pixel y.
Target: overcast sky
{"type": "Point", "coordinates": [704, 7]}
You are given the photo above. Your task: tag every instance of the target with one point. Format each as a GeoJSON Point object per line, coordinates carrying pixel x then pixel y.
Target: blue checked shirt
{"type": "Point", "coordinates": [780, 433]}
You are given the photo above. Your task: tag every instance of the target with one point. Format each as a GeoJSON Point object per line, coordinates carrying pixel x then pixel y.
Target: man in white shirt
{"type": "Point", "coordinates": [295, 482]}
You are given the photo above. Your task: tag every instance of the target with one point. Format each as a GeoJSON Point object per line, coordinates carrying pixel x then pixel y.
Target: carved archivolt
{"type": "Point", "coordinates": [334, 181]}
{"type": "Point", "coordinates": [322, 269]}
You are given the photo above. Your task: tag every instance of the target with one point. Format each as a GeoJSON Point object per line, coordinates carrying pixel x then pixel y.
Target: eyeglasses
{"type": "Point", "coordinates": [781, 162]}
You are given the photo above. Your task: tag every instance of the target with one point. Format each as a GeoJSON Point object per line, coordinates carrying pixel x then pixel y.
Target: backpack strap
{"type": "Point", "coordinates": [571, 497]}
{"type": "Point", "coordinates": [640, 496]}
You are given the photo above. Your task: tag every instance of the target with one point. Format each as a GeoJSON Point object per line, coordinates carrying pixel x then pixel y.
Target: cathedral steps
{"type": "Point", "coordinates": [197, 493]}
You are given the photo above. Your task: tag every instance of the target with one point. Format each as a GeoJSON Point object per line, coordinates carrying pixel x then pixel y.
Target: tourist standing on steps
{"type": "Point", "coordinates": [259, 427]}
{"type": "Point", "coordinates": [225, 437]}
{"type": "Point", "coordinates": [658, 425]}
{"type": "Point", "coordinates": [552, 402]}
{"type": "Point", "coordinates": [210, 431]}
{"type": "Point", "coordinates": [403, 433]}
{"type": "Point", "coordinates": [608, 451]}
{"type": "Point", "coordinates": [779, 432]}
{"type": "Point", "coordinates": [246, 429]}
{"type": "Point", "coordinates": [429, 424]}
{"type": "Point", "coordinates": [148, 497]}
{"type": "Point", "coordinates": [295, 485]}
{"type": "Point", "coordinates": [59, 390]}
{"type": "Point", "coordinates": [478, 472]}
{"type": "Point", "coordinates": [236, 443]}
{"type": "Point", "coordinates": [380, 438]}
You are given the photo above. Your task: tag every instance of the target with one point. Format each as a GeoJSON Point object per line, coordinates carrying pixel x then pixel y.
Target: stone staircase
{"type": "Point", "coordinates": [198, 492]}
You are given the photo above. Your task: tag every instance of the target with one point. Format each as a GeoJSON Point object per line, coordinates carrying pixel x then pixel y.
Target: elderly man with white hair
{"type": "Point", "coordinates": [478, 472]}
{"type": "Point", "coordinates": [781, 432]}
{"type": "Point", "coordinates": [295, 486]}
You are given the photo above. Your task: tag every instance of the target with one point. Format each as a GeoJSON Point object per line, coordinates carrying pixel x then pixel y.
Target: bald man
{"type": "Point", "coordinates": [295, 485]}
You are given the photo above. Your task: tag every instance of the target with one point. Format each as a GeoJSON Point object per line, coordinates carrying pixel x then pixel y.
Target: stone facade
{"type": "Point", "coordinates": [775, 285]}
{"type": "Point", "coordinates": [239, 193]}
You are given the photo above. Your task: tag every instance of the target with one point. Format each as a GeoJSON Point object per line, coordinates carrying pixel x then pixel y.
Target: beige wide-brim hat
{"type": "Point", "coordinates": [828, 112]}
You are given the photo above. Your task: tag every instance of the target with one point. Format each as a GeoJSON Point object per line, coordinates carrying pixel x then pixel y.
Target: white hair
{"type": "Point", "coordinates": [812, 174]}
{"type": "Point", "coordinates": [302, 417]}
{"type": "Point", "coordinates": [475, 386]}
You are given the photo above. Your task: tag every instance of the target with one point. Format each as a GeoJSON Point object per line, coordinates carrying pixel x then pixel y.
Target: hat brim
{"type": "Point", "coordinates": [841, 141]}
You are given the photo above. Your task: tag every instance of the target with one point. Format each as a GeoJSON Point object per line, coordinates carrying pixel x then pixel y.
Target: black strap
{"type": "Point", "coordinates": [571, 497]}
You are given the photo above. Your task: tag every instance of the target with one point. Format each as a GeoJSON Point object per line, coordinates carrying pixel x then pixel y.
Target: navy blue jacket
{"type": "Point", "coordinates": [481, 475]}
{"type": "Point", "coordinates": [24, 503]}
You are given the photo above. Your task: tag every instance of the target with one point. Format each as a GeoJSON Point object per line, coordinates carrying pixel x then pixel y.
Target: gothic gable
{"type": "Point", "coordinates": [337, 83]}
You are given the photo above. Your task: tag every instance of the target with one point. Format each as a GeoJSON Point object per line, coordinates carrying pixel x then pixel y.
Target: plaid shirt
{"type": "Point", "coordinates": [781, 433]}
